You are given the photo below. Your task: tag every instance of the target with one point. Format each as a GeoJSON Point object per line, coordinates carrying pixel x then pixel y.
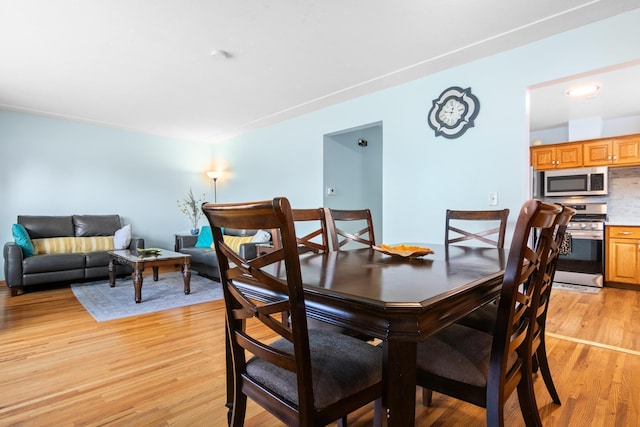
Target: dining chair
{"type": "Point", "coordinates": [485, 369]}
{"type": "Point", "coordinates": [307, 244]}
{"type": "Point", "coordinates": [493, 236]}
{"type": "Point", "coordinates": [484, 318]}
{"type": "Point", "coordinates": [317, 240]}
{"type": "Point", "coordinates": [304, 377]}
{"type": "Point", "coordinates": [351, 219]}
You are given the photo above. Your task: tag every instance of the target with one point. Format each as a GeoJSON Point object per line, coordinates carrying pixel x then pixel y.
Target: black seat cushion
{"type": "Point", "coordinates": [459, 353]}
{"type": "Point", "coordinates": [341, 365]}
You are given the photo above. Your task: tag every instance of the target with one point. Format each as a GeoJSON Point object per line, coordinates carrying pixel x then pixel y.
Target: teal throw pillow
{"type": "Point", "coordinates": [205, 238]}
{"type": "Point", "coordinates": [22, 239]}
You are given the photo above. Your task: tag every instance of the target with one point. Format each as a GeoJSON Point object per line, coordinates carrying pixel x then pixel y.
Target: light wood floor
{"type": "Point", "coordinates": [58, 366]}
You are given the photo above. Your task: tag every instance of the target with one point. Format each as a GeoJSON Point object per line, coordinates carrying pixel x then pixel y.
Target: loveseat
{"type": "Point", "coordinates": [64, 249]}
{"type": "Point", "coordinates": [203, 255]}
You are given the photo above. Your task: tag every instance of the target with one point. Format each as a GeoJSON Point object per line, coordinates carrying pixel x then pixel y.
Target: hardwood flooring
{"type": "Point", "coordinates": [58, 366]}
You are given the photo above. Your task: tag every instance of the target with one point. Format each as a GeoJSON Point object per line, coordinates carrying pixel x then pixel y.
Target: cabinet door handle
{"type": "Point", "coordinates": [615, 157]}
{"type": "Point", "coordinates": [625, 233]}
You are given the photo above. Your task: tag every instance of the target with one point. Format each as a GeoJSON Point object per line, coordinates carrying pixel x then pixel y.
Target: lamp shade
{"type": "Point", "coordinates": [214, 174]}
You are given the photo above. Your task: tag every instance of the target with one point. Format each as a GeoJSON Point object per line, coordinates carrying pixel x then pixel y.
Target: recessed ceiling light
{"type": "Point", "coordinates": [584, 90]}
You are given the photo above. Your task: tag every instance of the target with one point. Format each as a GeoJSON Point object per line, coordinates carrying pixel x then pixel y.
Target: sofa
{"type": "Point", "coordinates": [203, 255]}
{"type": "Point", "coordinates": [64, 249]}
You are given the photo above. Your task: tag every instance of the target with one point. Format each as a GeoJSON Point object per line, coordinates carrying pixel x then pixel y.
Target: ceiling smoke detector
{"type": "Point", "coordinates": [219, 53]}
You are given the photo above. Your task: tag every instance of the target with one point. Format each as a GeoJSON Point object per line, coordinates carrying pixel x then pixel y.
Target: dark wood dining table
{"type": "Point", "coordinates": [399, 300]}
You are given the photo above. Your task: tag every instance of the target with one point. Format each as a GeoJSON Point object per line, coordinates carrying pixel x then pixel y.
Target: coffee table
{"type": "Point", "coordinates": [138, 263]}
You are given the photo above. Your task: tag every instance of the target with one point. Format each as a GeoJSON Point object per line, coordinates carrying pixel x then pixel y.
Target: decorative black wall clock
{"type": "Point", "coordinates": [453, 112]}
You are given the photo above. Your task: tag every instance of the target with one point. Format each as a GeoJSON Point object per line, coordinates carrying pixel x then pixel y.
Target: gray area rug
{"type": "Point", "coordinates": [575, 288]}
{"type": "Point", "coordinates": [106, 303]}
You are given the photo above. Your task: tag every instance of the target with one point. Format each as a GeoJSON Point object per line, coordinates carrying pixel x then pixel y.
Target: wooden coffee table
{"type": "Point", "coordinates": [138, 263]}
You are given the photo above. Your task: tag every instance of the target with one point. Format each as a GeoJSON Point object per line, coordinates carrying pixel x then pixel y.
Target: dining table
{"type": "Point", "coordinates": [399, 300]}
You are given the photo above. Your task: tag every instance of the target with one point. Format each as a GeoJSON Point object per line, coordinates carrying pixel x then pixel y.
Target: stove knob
{"type": "Point", "coordinates": [583, 226]}
{"type": "Point", "coordinates": [594, 226]}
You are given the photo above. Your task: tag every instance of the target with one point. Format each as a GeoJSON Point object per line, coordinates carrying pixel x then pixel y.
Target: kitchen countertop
{"type": "Point", "coordinates": [629, 222]}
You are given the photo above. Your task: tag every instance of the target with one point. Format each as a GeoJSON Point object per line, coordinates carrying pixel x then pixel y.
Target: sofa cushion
{"type": "Point", "coordinates": [205, 238]}
{"type": "Point", "coordinates": [22, 239]}
{"type": "Point", "coordinates": [96, 225]}
{"type": "Point", "coordinates": [52, 262]}
{"type": "Point", "coordinates": [40, 227]}
{"type": "Point", "coordinates": [122, 237]}
{"type": "Point", "coordinates": [201, 256]}
{"type": "Point", "coordinates": [61, 245]}
{"type": "Point", "coordinates": [97, 259]}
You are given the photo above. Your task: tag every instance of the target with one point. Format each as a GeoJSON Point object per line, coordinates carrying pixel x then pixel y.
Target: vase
{"type": "Point", "coordinates": [195, 231]}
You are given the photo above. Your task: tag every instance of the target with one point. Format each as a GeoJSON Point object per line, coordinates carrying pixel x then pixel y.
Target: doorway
{"type": "Point", "coordinates": [352, 171]}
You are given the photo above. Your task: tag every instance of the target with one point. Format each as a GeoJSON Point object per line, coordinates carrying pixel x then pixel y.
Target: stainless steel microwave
{"type": "Point", "coordinates": [577, 182]}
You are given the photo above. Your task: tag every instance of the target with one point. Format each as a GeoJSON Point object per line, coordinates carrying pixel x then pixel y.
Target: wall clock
{"type": "Point", "coordinates": [453, 112]}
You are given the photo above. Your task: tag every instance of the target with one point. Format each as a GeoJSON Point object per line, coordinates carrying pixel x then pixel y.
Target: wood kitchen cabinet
{"type": "Point", "coordinates": [622, 254]}
{"type": "Point", "coordinates": [557, 156]}
{"type": "Point", "coordinates": [615, 151]}
{"type": "Point", "coordinates": [619, 151]}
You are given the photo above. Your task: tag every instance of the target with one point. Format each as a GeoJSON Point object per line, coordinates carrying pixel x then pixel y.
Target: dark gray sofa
{"type": "Point", "coordinates": [56, 268]}
{"type": "Point", "coordinates": [205, 261]}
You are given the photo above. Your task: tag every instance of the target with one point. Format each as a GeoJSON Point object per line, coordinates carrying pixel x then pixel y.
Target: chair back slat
{"type": "Point", "coordinates": [454, 219]}
{"type": "Point", "coordinates": [317, 240]}
{"type": "Point", "coordinates": [338, 220]}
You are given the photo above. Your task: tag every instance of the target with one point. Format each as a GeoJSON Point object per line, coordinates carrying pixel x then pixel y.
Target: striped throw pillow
{"type": "Point", "coordinates": [72, 245]}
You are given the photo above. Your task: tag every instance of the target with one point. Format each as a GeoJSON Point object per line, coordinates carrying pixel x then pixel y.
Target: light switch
{"type": "Point", "coordinates": [493, 199]}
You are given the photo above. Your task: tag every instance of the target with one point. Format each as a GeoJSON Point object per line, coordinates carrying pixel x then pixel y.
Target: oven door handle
{"type": "Point", "coordinates": [596, 235]}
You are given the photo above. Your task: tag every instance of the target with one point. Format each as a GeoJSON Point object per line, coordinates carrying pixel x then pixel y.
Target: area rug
{"type": "Point", "coordinates": [575, 288]}
{"type": "Point", "coordinates": [106, 303]}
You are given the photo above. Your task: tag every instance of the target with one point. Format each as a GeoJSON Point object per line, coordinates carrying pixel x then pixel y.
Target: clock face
{"type": "Point", "coordinates": [453, 112]}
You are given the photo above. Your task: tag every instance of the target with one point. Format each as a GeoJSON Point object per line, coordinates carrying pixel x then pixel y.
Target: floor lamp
{"type": "Point", "coordinates": [214, 175]}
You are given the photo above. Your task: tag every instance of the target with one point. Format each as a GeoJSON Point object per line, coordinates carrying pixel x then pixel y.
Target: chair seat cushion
{"type": "Point", "coordinates": [340, 365]}
{"type": "Point", "coordinates": [482, 319]}
{"type": "Point", "coordinates": [458, 353]}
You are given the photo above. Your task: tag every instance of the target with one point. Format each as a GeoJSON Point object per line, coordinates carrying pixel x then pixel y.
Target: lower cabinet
{"type": "Point", "coordinates": [623, 254]}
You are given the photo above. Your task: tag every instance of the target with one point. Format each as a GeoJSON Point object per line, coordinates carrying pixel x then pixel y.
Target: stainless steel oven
{"type": "Point", "coordinates": [581, 260]}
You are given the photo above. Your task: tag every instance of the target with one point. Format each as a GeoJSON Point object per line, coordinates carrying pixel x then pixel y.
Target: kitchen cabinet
{"type": "Point", "coordinates": [619, 151]}
{"type": "Point", "coordinates": [622, 254]}
{"type": "Point", "coordinates": [557, 156]}
{"type": "Point", "coordinates": [615, 151]}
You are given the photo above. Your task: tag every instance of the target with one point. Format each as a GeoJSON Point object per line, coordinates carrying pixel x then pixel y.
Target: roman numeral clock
{"type": "Point", "coordinates": [453, 112]}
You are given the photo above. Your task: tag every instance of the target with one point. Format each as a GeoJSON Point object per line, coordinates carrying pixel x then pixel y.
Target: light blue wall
{"type": "Point", "coordinates": [59, 167]}
{"type": "Point", "coordinates": [423, 175]}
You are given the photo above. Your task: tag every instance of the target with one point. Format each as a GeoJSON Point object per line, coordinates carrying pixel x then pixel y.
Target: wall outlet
{"type": "Point", "coordinates": [331, 191]}
{"type": "Point", "coordinates": [493, 199]}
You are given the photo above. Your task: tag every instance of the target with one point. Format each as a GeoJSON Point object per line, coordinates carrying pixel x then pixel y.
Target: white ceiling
{"type": "Point", "coordinates": [618, 96]}
{"type": "Point", "coordinates": [146, 65]}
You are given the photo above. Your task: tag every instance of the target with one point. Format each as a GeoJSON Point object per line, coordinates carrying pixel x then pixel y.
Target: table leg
{"type": "Point", "coordinates": [155, 273]}
{"type": "Point", "coordinates": [137, 283]}
{"type": "Point", "coordinates": [112, 273]}
{"type": "Point", "coordinates": [399, 383]}
{"type": "Point", "coordinates": [186, 276]}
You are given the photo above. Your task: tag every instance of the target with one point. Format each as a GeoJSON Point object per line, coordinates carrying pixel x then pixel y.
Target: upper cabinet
{"type": "Point", "coordinates": [556, 156]}
{"type": "Point", "coordinates": [624, 150]}
{"type": "Point", "coordinates": [616, 151]}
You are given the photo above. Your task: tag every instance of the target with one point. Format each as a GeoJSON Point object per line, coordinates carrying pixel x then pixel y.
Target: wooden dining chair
{"type": "Point", "coordinates": [351, 219]}
{"type": "Point", "coordinates": [317, 240]}
{"type": "Point", "coordinates": [305, 377]}
{"type": "Point", "coordinates": [493, 236]}
{"type": "Point", "coordinates": [484, 318]}
{"type": "Point", "coordinates": [485, 369]}
{"type": "Point", "coordinates": [307, 244]}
